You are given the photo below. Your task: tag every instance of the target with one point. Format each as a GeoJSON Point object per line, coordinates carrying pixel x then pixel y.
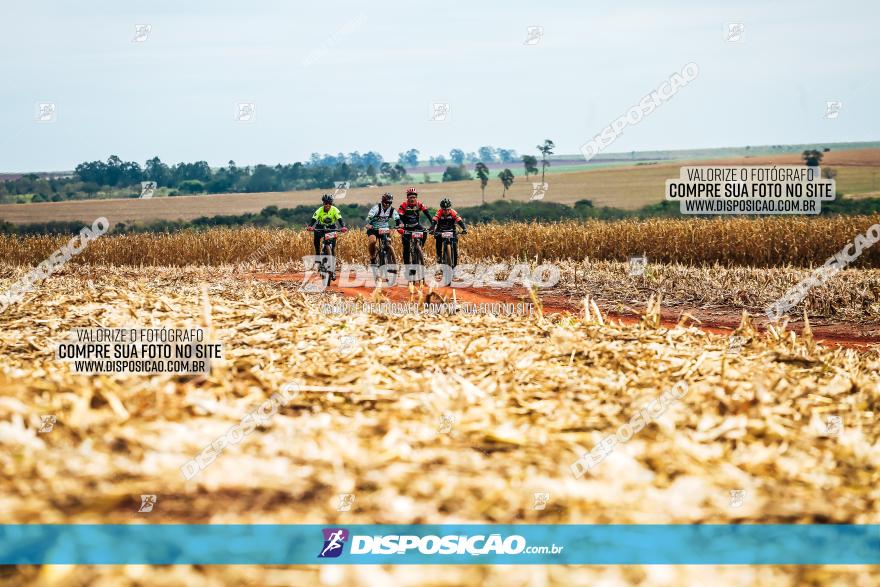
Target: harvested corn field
{"type": "Point", "coordinates": [756, 242]}
{"type": "Point", "coordinates": [459, 420]}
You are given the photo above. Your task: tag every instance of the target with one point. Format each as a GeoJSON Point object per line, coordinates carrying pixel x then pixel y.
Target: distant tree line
{"type": "Point", "coordinates": [498, 211]}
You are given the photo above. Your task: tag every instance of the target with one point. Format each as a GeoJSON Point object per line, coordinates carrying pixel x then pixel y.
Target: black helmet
{"type": "Point", "coordinates": [445, 203]}
{"type": "Point", "coordinates": [327, 199]}
{"type": "Point", "coordinates": [387, 198]}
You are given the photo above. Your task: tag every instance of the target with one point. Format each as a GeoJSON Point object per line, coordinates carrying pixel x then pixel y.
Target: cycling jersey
{"type": "Point", "coordinates": [445, 220]}
{"type": "Point", "coordinates": [379, 217]}
{"type": "Point", "coordinates": [328, 218]}
{"type": "Point", "coordinates": [409, 214]}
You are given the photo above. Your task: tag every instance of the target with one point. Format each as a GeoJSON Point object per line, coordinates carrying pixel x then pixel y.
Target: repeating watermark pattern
{"type": "Point", "coordinates": [46, 112]}
{"type": "Point", "coordinates": [833, 425]}
{"type": "Point", "coordinates": [16, 292]}
{"type": "Point", "coordinates": [346, 501]}
{"type": "Point", "coordinates": [494, 275]}
{"type": "Point", "coordinates": [142, 32]}
{"type": "Point", "coordinates": [637, 266]}
{"type": "Point", "coordinates": [539, 190]}
{"type": "Point", "coordinates": [540, 501]}
{"type": "Point", "coordinates": [735, 344]}
{"type": "Point", "coordinates": [737, 497]}
{"type": "Point", "coordinates": [148, 188]}
{"type": "Point", "coordinates": [646, 106]}
{"type": "Point", "coordinates": [148, 502]}
{"type": "Point", "coordinates": [245, 112]}
{"type": "Point", "coordinates": [733, 32]}
{"type": "Point", "coordinates": [625, 432]}
{"type": "Point", "coordinates": [430, 309]}
{"type": "Point", "coordinates": [534, 35]}
{"type": "Point", "coordinates": [447, 423]}
{"type": "Point", "coordinates": [341, 189]}
{"type": "Point", "coordinates": [832, 109]}
{"type": "Point", "coordinates": [235, 434]}
{"type": "Point", "coordinates": [346, 29]}
{"type": "Point", "coordinates": [47, 424]}
{"type": "Point", "coordinates": [348, 345]}
{"type": "Point", "coordinates": [820, 275]}
{"type": "Point", "coordinates": [438, 111]}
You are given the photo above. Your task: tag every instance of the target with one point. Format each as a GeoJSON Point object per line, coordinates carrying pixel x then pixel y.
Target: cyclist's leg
{"type": "Point", "coordinates": [406, 254]}
{"type": "Point", "coordinates": [316, 240]}
{"type": "Point", "coordinates": [438, 247]}
{"type": "Point", "coordinates": [371, 246]}
{"type": "Point", "coordinates": [454, 251]}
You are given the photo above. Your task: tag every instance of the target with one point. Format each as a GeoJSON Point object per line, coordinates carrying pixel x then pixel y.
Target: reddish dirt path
{"type": "Point", "coordinates": [723, 323]}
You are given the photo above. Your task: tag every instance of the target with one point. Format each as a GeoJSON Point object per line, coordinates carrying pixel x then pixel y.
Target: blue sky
{"type": "Point", "coordinates": [343, 76]}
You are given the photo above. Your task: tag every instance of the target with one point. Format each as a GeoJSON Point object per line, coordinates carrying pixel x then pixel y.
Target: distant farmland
{"type": "Point", "coordinates": [627, 187]}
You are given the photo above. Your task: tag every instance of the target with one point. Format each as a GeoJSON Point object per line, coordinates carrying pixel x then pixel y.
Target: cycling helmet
{"type": "Point", "coordinates": [411, 192]}
{"type": "Point", "coordinates": [445, 204]}
{"type": "Point", "coordinates": [387, 198]}
{"type": "Point", "coordinates": [327, 199]}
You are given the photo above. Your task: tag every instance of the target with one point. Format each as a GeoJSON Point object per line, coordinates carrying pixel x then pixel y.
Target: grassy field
{"type": "Point", "coordinates": [627, 187]}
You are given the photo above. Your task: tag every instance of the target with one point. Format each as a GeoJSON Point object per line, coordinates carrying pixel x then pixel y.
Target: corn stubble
{"type": "Point", "coordinates": [529, 396]}
{"type": "Point", "coordinates": [757, 242]}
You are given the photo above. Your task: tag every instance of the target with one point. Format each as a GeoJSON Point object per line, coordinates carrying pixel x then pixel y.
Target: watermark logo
{"type": "Point", "coordinates": [235, 434]}
{"type": "Point", "coordinates": [737, 497]}
{"type": "Point", "coordinates": [540, 501]}
{"type": "Point", "coordinates": [348, 344]}
{"type": "Point", "coordinates": [832, 266]}
{"type": "Point", "coordinates": [142, 32]}
{"type": "Point", "coordinates": [735, 344]}
{"type": "Point", "coordinates": [832, 109]}
{"type": "Point", "coordinates": [539, 190]}
{"type": "Point", "coordinates": [534, 35]}
{"type": "Point", "coordinates": [245, 112]}
{"type": "Point", "coordinates": [833, 425]}
{"type": "Point", "coordinates": [16, 292]}
{"type": "Point", "coordinates": [644, 416]}
{"type": "Point", "coordinates": [334, 540]}
{"type": "Point", "coordinates": [341, 189]}
{"type": "Point", "coordinates": [637, 266]}
{"type": "Point", "coordinates": [46, 112]}
{"type": "Point", "coordinates": [47, 423]}
{"type": "Point", "coordinates": [734, 32]}
{"type": "Point", "coordinates": [147, 504]}
{"type": "Point", "coordinates": [324, 48]}
{"type": "Point", "coordinates": [645, 107]}
{"type": "Point", "coordinates": [346, 500]}
{"type": "Point", "coordinates": [148, 188]}
{"type": "Point", "coordinates": [447, 423]}
{"type": "Point", "coordinates": [438, 112]}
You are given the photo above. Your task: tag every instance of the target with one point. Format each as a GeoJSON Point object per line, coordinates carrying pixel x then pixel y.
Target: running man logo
{"type": "Point", "coordinates": [334, 540]}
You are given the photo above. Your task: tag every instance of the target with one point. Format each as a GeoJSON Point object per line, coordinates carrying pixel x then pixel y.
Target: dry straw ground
{"type": "Point", "coordinates": [762, 242]}
{"type": "Point", "coordinates": [529, 396]}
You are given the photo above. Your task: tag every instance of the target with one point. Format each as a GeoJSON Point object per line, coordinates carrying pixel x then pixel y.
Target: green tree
{"type": "Point", "coordinates": [456, 156]}
{"type": "Point", "coordinates": [506, 178]}
{"type": "Point", "coordinates": [530, 162]}
{"type": "Point", "coordinates": [456, 173]}
{"type": "Point", "coordinates": [812, 157]}
{"type": "Point", "coordinates": [546, 150]}
{"type": "Point", "coordinates": [483, 175]}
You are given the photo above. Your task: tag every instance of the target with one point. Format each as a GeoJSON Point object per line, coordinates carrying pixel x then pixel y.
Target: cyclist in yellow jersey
{"type": "Point", "coordinates": [325, 218]}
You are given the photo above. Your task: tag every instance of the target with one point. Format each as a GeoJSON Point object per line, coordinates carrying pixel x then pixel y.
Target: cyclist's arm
{"type": "Point", "coordinates": [339, 219]}
{"type": "Point", "coordinates": [427, 213]}
{"type": "Point", "coordinates": [370, 215]}
{"type": "Point", "coordinates": [396, 217]}
{"type": "Point", "coordinates": [314, 219]}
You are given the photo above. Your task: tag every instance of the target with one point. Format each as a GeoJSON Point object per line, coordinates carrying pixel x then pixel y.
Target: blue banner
{"type": "Point", "coordinates": [481, 544]}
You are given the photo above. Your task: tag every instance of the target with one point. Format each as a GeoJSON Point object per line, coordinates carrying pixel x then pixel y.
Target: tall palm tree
{"type": "Point", "coordinates": [483, 174]}
{"type": "Point", "coordinates": [546, 149]}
